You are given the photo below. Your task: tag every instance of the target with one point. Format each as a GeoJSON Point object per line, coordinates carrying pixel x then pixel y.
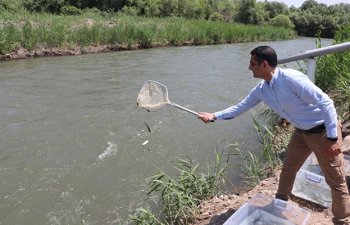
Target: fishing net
{"type": "Point", "coordinates": [152, 96]}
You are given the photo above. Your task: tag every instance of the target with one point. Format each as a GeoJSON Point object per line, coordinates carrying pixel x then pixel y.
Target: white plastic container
{"type": "Point", "coordinates": [311, 164]}
{"type": "Point", "coordinates": [312, 187]}
{"type": "Point", "coordinates": [264, 210]}
{"type": "Point", "coordinates": [310, 183]}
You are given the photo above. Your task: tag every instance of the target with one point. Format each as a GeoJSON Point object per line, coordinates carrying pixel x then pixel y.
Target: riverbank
{"type": "Point", "coordinates": [23, 53]}
{"type": "Point", "coordinates": [36, 35]}
{"type": "Point", "coordinates": [217, 210]}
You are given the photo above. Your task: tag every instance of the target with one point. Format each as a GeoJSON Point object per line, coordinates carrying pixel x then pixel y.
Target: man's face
{"type": "Point", "coordinates": [256, 68]}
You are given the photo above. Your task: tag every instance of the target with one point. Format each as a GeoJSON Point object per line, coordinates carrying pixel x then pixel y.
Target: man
{"type": "Point", "coordinates": [294, 97]}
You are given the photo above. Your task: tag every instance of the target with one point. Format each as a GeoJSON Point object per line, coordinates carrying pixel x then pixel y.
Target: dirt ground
{"type": "Point", "coordinates": [216, 211]}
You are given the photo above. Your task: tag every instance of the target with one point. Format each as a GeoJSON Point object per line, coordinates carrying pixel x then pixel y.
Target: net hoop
{"type": "Point", "coordinates": [153, 96]}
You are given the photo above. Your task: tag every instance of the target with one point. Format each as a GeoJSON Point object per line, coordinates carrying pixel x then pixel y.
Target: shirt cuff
{"type": "Point", "coordinates": [332, 132]}
{"type": "Point", "coordinates": [218, 115]}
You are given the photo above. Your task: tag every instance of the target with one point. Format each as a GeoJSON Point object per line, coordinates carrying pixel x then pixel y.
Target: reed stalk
{"type": "Point", "coordinates": [37, 31]}
{"type": "Point", "coordinates": [274, 139]}
{"type": "Point", "coordinates": [180, 196]}
{"type": "Point", "coordinates": [333, 75]}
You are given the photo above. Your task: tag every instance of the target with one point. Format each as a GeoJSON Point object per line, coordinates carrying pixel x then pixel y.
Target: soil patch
{"type": "Point", "coordinates": [217, 210]}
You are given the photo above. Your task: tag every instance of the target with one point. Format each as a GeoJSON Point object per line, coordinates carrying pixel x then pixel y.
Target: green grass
{"type": "Point", "coordinates": [333, 75]}
{"type": "Point", "coordinates": [37, 31]}
{"type": "Point", "coordinates": [274, 140]}
{"type": "Point", "coordinates": [181, 195]}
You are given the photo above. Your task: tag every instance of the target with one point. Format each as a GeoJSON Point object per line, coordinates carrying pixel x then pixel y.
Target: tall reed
{"type": "Point", "coordinates": [180, 196]}
{"type": "Point", "coordinates": [333, 74]}
{"type": "Point", "coordinates": [274, 140]}
{"type": "Point", "coordinates": [37, 31]}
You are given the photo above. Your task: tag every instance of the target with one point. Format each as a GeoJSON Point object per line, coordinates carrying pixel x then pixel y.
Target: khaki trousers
{"type": "Point", "coordinates": [300, 147]}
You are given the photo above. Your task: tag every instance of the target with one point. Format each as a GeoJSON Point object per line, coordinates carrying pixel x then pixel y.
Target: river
{"type": "Point", "coordinates": [73, 140]}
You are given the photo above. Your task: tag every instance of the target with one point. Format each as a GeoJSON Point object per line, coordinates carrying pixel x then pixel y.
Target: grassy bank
{"type": "Point", "coordinates": [333, 75]}
{"type": "Point", "coordinates": [274, 136]}
{"type": "Point", "coordinates": [44, 31]}
{"type": "Point", "coordinates": [180, 197]}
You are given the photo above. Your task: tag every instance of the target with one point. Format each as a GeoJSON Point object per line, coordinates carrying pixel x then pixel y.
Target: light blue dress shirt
{"type": "Point", "coordinates": [294, 97]}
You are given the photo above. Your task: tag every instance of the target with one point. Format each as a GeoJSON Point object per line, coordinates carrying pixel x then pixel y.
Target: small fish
{"type": "Point", "coordinates": [146, 146]}
{"type": "Point", "coordinates": [148, 128]}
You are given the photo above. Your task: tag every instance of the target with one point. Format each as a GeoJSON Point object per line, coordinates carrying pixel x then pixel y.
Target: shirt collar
{"type": "Point", "coordinates": [274, 78]}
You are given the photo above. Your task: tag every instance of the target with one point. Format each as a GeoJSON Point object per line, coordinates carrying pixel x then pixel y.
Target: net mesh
{"type": "Point", "coordinates": [153, 96]}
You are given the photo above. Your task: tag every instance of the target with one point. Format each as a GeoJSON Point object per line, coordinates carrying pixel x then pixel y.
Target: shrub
{"type": "Point", "coordinates": [70, 10]}
{"type": "Point", "coordinates": [282, 21]}
{"type": "Point", "coordinates": [10, 5]}
{"type": "Point", "coordinates": [50, 6]}
{"type": "Point", "coordinates": [130, 10]}
{"type": "Point", "coordinates": [216, 17]}
{"type": "Point", "coordinates": [92, 11]}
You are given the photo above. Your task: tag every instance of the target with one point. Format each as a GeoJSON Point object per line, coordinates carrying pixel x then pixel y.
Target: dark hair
{"type": "Point", "coordinates": [265, 53]}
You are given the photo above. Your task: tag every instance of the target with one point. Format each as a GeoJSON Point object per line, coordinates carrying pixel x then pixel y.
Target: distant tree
{"type": "Point", "coordinates": [247, 12]}
{"type": "Point", "coordinates": [168, 8]}
{"type": "Point", "coordinates": [282, 21]}
{"type": "Point", "coordinates": [312, 18]}
{"type": "Point", "coordinates": [308, 4]}
{"type": "Point", "coordinates": [227, 9]}
{"type": "Point", "coordinates": [146, 7]}
{"type": "Point", "coordinates": [130, 10]}
{"type": "Point", "coordinates": [330, 26]}
{"type": "Point", "coordinates": [337, 9]}
{"type": "Point", "coordinates": [276, 8]}
{"type": "Point", "coordinates": [11, 5]}
{"type": "Point", "coordinates": [113, 5]}
{"type": "Point", "coordinates": [50, 6]}
{"type": "Point", "coordinates": [216, 17]}
{"type": "Point", "coordinates": [70, 10]}
{"type": "Point", "coordinates": [261, 14]}
{"type": "Point", "coordinates": [300, 22]}
{"type": "Point", "coordinates": [202, 9]}
{"type": "Point", "coordinates": [341, 13]}
{"type": "Point", "coordinates": [151, 7]}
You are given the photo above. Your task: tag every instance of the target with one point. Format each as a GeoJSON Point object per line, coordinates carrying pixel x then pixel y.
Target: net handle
{"type": "Point", "coordinates": [183, 108]}
{"type": "Point", "coordinates": [186, 109]}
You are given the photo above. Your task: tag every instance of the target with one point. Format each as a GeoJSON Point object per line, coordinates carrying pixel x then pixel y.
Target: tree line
{"type": "Point", "coordinates": [310, 19]}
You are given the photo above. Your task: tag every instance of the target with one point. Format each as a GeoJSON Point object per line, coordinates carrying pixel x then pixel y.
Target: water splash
{"type": "Point", "coordinates": [111, 150]}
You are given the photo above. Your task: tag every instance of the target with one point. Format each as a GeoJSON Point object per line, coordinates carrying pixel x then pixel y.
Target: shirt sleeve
{"type": "Point", "coordinates": [312, 94]}
{"type": "Point", "coordinates": [248, 102]}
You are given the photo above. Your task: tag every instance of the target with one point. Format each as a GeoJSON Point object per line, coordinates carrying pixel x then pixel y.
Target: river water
{"type": "Point", "coordinates": [72, 136]}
